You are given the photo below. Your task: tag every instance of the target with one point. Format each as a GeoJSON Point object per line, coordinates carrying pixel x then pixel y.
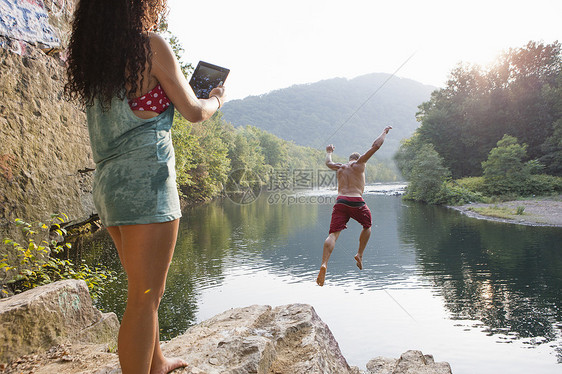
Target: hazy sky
{"type": "Point", "coordinates": [274, 44]}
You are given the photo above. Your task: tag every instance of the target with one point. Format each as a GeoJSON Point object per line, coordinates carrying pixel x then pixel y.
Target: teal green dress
{"type": "Point", "coordinates": [135, 177]}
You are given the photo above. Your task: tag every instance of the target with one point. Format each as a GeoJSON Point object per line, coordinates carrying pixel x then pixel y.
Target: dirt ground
{"type": "Point", "coordinates": [66, 359]}
{"type": "Point", "coordinates": [538, 212]}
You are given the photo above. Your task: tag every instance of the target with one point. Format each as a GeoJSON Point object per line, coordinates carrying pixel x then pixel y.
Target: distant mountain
{"type": "Point", "coordinates": [348, 113]}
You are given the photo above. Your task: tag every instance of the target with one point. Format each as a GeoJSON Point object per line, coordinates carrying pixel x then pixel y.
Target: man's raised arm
{"type": "Point", "coordinates": [329, 163]}
{"type": "Point", "coordinates": [375, 147]}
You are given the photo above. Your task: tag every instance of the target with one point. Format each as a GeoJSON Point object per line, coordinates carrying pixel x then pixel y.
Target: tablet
{"type": "Point", "coordinates": [206, 77]}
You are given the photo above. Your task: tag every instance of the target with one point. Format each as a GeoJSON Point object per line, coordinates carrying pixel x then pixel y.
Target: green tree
{"type": "Point", "coordinates": [246, 152]}
{"type": "Point", "coordinates": [274, 149]}
{"type": "Point", "coordinates": [520, 95]}
{"type": "Point", "coordinates": [300, 157]}
{"type": "Point", "coordinates": [504, 170]}
{"type": "Point", "coordinates": [427, 176]}
{"type": "Point", "coordinates": [202, 162]}
{"type": "Point", "coordinates": [456, 123]}
{"type": "Point", "coordinates": [185, 146]}
{"type": "Point", "coordinates": [380, 171]}
{"type": "Point", "coordinates": [552, 148]}
{"type": "Point", "coordinates": [407, 153]}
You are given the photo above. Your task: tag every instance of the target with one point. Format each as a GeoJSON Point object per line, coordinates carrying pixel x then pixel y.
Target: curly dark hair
{"type": "Point", "coordinates": [109, 48]}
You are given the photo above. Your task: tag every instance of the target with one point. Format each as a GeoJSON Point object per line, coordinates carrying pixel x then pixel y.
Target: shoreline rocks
{"type": "Point", "coordinates": [410, 362]}
{"type": "Point", "coordinates": [537, 212]}
{"type": "Point", "coordinates": [57, 313]}
{"type": "Point", "coordinates": [58, 330]}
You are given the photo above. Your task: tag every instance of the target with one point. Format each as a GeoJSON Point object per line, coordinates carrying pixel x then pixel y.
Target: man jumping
{"type": "Point", "coordinates": [350, 203]}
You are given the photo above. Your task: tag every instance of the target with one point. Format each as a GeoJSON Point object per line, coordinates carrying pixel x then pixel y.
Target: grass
{"type": "Point", "coordinates": [499, 211]}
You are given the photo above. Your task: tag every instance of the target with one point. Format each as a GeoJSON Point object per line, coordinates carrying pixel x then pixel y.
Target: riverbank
{"type": "Point", "coordinates": [545, 211]}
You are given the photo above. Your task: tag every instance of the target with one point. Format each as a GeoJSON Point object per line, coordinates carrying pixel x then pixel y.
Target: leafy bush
{"type": "Point", "coordinates": [506, 174]}
{"type": "Point", "coordinates": [538, 185]}
{"type": "Point", "coordinates": [542, 184]}
{"type": "Point", "coordinates": [36, 263]}
{"type": "Point", "coordinates": [504, 170]}
{"type": "Point", "coordinates": [452, 193]}
{"type": "Point", "coordinates": [474, 184]}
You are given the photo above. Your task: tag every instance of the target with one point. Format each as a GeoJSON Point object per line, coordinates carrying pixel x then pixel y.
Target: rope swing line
{"type": "Point", "coordinates": [371, 96]}
{"type": "Point", "coordinates": [397, 303]}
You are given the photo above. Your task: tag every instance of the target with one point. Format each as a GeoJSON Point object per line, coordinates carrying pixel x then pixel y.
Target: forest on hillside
{"type": "Point", "coordinates": [501, 124]}
{"type": "Point", "coordinates": [348, 113]}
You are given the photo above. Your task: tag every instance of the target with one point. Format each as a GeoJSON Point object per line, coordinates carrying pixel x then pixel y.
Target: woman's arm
{"type": "Point", "coordinates": [166, 69]}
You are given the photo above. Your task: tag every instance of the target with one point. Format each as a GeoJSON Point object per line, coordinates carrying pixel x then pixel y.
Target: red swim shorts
{"type": "Point", "coordinates": [349, 207]}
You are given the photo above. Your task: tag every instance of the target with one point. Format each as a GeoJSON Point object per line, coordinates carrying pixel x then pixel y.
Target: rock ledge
{"type": "Point", "coordinates": [59, 331]}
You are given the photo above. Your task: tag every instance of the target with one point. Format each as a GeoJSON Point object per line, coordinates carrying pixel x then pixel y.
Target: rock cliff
{"type": "Point", "coordinates": [44, 147]}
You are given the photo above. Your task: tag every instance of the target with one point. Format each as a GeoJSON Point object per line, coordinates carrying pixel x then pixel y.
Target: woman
{"type": "Point", "coordinates": [130, 81]}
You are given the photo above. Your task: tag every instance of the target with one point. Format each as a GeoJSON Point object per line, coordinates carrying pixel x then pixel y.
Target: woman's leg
{"type": "Point", "coordinates": [145, 252]}
{"type": "Point", "coordinates": [161, 364]}
{"type": "Point", "coordinates": [115, 234]}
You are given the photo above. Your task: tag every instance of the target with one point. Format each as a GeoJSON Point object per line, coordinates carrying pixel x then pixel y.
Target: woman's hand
{"type": "Point", "coordinates": [220, 93]}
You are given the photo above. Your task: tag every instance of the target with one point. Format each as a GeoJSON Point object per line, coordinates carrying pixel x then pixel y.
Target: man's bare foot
{"type": "Point", "coordinates": [169, 365]}
{"type": "Point", "coordinates": [321, 276]}
{"type": "Point", "coordinates": [359, 260]}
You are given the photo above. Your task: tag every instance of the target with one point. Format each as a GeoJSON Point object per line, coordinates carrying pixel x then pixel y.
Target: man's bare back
{"type": "Point", "coordinates": [351, 179]}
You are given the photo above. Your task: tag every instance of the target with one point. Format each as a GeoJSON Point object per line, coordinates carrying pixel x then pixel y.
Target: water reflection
{"type": "Point", "coordinates": [299, 251]}
{"type": "Point", "coordinates": [216, 236]}
{"type": "Point", "coordinates": [509, 277]}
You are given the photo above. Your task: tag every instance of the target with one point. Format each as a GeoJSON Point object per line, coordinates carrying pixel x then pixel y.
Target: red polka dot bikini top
{"type": "Point", "coordinates": [154, 100]}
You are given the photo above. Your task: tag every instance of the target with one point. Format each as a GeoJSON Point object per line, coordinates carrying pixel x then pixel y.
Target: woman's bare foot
{"type": "Point", "coordinates": [169, 365]}
{"type": "Point", "coordinates": [359, 260]}
{"type": "Point", "coordinates": [321, 276]}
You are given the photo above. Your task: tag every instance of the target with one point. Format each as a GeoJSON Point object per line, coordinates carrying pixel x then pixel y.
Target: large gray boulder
{"type": "Point", "coordinates": [46, 316]}
{"type": "Point", "coordinates": [261, 339]}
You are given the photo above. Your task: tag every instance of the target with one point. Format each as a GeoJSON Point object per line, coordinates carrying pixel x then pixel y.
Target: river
{"type": "Point", "coordinates": [484, 296]}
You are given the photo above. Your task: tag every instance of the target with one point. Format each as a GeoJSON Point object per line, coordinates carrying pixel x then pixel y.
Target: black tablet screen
{"type": "Point", "coordinates": [206, 77]}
